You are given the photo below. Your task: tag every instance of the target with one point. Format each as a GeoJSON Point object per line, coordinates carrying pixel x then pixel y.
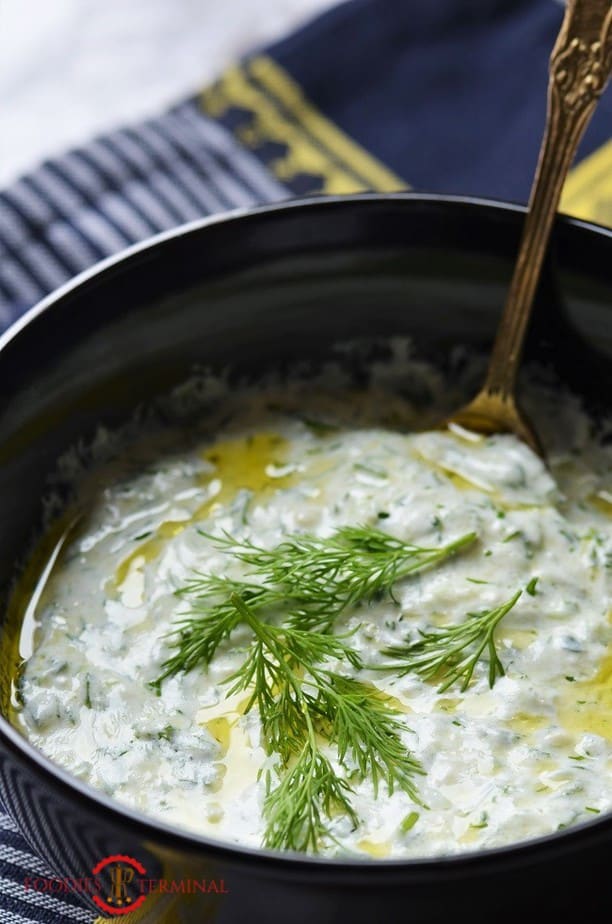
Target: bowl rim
{"type": "Point", "coordinates": [486, 205]}
{"type": "Point", "coordinates": [95, 802]}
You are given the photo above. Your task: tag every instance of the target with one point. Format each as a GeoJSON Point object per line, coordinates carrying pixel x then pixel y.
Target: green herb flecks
{"type": "Point", "coordinates": [408, 822]}
{"type": "Point", "coordinates": [532, 587]}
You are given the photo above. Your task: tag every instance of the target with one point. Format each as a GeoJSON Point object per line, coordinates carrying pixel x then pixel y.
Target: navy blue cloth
{"type": "Point", "coordinates": [451, 94]}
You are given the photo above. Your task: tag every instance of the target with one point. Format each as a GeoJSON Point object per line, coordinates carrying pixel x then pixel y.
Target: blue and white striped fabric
{"type": "Point", "coordinates": [19, 905]}
{"type": "Point", "coordinates": [121, 188]}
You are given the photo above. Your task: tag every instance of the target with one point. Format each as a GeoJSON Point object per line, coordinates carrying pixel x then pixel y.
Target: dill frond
{"type": "Point", "coordinates": [451, 653]}
{"type": "Point", "coordinates": [289, 600]}
{"type": "Point", "coordinates": [300, 702]}
{"type": "Point", "coordinates": [299, 808]}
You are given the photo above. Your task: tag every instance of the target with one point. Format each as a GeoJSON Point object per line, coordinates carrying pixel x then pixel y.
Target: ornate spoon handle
{"type": "Point", "coordinates": [580, 66]}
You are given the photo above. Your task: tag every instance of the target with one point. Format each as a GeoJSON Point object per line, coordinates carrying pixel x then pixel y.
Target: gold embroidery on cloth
{"type": "Point", "coordinates": [296, 141]}
{"type": "Point", "coordinates": [588, 191]}
{"type": "Point", "coordinates": [293, 137]}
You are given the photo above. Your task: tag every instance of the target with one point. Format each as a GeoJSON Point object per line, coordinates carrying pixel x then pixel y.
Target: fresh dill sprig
{"type": "Point", "coordinates": [212, 617]}
{"type": "Point", "coordinates": [273, 671]}
{"type": "Point", "coordinates": [289, 600]}
{"type": "Point", "coordinates": [367, 733]}
{"type": "Point", "coordinates": [451, 653]}
{"type": "Point", "coordinates": [312, 579]}
{"type": "Point", "coordinates": [300, 701]}
{"type": "Point", "coordinates": [299, 808]}
{"type": "Point", "coordinates": [322, 576]}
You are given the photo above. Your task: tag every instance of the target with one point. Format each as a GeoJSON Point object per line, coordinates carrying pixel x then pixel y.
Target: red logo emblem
{"type": "Point", "coordinates": [118, 873]}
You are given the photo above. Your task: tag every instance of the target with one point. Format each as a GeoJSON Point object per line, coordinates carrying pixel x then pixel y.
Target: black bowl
{"type": "Point", "coordinates": [249, 289]}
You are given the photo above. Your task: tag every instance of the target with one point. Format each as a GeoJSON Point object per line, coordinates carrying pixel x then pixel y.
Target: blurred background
{"type": "Point", "coordinates": [72, 68]}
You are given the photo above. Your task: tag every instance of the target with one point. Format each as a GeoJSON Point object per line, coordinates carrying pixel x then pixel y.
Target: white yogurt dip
{"type": "Point", "coordinates": [527, 757]}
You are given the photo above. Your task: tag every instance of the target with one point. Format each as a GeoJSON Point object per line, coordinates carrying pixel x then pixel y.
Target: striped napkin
{"type": "Point", "coordinates": [376, 94]}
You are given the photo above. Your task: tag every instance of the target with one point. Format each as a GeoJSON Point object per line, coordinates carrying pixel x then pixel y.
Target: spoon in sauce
{"type": "Point", "coordinates": [580, 67]}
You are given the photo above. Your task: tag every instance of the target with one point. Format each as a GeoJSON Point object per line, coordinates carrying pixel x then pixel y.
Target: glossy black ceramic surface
{"type": "Point", "coordinates": [250, 290]}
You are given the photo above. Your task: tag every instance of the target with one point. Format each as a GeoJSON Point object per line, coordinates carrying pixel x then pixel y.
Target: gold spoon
{"type": "Point", "coordinates": [580, 67]}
